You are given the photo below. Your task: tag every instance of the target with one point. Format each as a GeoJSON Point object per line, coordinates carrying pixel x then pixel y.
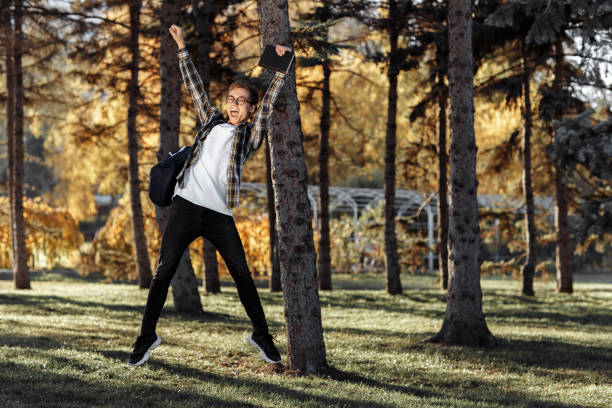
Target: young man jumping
{"type": "Point", "coordinates": [207, 189]}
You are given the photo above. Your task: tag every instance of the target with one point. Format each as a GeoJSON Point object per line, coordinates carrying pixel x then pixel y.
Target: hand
{"type": "Point", "coordinates": [177, 34]}
{"type": "Point", "coordinates": [281, 49]}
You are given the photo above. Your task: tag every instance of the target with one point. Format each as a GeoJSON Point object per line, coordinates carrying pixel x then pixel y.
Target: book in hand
{"type": "Point", "coordinates": [270, 59]}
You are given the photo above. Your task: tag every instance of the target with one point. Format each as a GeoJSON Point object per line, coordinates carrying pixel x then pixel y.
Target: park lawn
{"type": "Point", "coordinates": [65, 343]}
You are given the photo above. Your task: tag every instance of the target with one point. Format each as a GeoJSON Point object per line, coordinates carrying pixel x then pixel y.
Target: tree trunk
{"type": "Point", "coordinates": [442, 183]}
{"type": "Point", "coordinates": [7, 31]}
{"type": "Point", "coordinates": [305, 345]}
{"type": "Point", "coordinates": [202, 17]}
{"type": "Point", "coordinates": [324, 258]}
{"type": "Point", "coordinates": [184, 284]}
{"type": "Point", "coordinates": [204, 37]}
{"type": "Point", "coordinates": [464, 321]}
{"type": "Point", "coordinates": [20, 254]}
{"type": "Point", "coordinates": [275, 274]}
{"type": "Point", "coordinates": [140, 240]}
{"type": "Point", "coordinates": [528, 268]}
{"type": "Point", "coordinates": [394, 286]}
{"type": "Point", "coordinates": [211, 268]}
{"type": "Point", "coordinates": [564, 248]}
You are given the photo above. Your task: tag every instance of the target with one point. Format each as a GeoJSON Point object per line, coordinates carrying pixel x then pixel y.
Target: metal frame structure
{"type": "Point", "coordinates": [354, 200]}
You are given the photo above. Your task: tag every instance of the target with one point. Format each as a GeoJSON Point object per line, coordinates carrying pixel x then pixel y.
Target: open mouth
{"type": "Point", "coordinates": [234, 112]}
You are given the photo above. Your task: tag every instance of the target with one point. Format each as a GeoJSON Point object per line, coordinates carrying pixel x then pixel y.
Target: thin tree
{"type": "Point", "coordinates": [324, 258]}
{"type": "Point", "coordinates": [442, 181]}
{"type": "Point", "coordinates": [431, 31]}
{"type": "Point", "coordinates": [203, 17]}
{"type": "Point", "coordinates": [275, 272]}
{"type": "Point", "coordinates": [9, 59]}
{"type": "Point", "coordinates": [140, 240]}
{"type": "Point", "coordinates": [392, 268]}
{"type": "Point", "coordinates": [184, 284]}
{"type": "Point", "coordinates": [313, 35]}
{"type": "Point", "coordinates": [15, 151]}
{"type": "Point", "coordinates": [528, 268]}
{"type": "Point", "coordinates": [563, 252]}
{"type": "Point", "coordinates": [306, 347]}
{"type": "Point", "coordinates": [464, 321]}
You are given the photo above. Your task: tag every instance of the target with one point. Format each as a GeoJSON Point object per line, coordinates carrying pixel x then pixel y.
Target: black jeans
{"type": "Point", "coordinates": [187, 222]}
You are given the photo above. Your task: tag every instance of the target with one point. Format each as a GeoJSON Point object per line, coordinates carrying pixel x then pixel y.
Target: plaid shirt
{"type": "Point", "coordinates": [247, 136]}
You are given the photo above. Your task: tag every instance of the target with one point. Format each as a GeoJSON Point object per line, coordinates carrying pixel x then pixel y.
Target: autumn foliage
{"type": "Point", "coordinates": [53, 238]}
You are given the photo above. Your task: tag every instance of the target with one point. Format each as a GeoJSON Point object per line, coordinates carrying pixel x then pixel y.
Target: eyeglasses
{"type": "Point", "coordinates": [241, 100]}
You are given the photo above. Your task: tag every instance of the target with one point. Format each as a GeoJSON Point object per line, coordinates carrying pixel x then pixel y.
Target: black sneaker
{"type": "Point", "coordinates": [265, 344]}
{"type": "Point", "coordinates": [141, 348]}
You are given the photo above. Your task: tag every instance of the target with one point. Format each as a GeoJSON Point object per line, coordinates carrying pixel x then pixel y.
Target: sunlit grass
{"type": "Point", "coordinates": [66, 342]}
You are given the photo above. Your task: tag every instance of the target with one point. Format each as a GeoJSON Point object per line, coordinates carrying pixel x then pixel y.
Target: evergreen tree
{"type": "Point", "coordinates": [554, 26]}
{"type": "Point", "coordinates": [140, 240]}
{"type": "Point", "coordinates": [13, 33]}
{"type": "Point", "coordinates": [184, 284]}
{"type": "Point", "coordinates": [313, 35]}
{"type": "Point", "coordinates": [306, 347]}
{"type": "Point", "coordinates": [464, 321]}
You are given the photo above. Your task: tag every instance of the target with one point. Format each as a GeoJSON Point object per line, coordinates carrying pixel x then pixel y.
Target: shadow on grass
{"type": "Point", "coordinates": [580, 316]}
{"type": "Point", "coordinates": [519, 355]}
{"type": "Point", "coordinates": [54, 389]}
{"type": "Point", "coordinates": [263, 389]}
{"type": "Point", "coordinates": [65, 304]}
{"type": "Point", "coordinates": [556, 354]}
{"type": "Point", "coordinates": [492, 395]}
{"type": "Point", "coordinates": [479, 392]}
{"type": "Point", "coordinates": [54, 303]}
{"type": "Point", "coordinates": [380, 302]}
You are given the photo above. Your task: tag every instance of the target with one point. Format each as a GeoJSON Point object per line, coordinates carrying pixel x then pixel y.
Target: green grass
{"type": "Point", "coordinates": [65, 343]}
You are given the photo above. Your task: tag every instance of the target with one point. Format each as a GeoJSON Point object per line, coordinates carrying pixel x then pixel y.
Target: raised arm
{"type": "Point", "coordinates": [260, 119]}
{"type": "Point", "coordinates": [192, 79]}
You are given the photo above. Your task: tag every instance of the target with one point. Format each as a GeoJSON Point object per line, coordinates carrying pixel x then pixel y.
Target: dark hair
{"type": "Point", "coordinates": [253, 93]}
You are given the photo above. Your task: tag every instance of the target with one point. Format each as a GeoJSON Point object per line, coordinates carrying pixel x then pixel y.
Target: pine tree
{"type": "Point", "coordinates": [313, 35]}
{"type": "Point", "coordinates": [275, 271]}
{"type": "Point", "coordinates": [514, 86]}
{"type": "Point", "coordinates": [464, 321]}
{"type": "Point", "coordinates": [306, 348]}
{"type": "Point", "coordinates": [140, 240]}
{"type": "Point", "coordinates": [432, 31]}
{"type": "Point", "coordinates": [15, 125]}
{"type": "Point", "coordinates": [550, 25]}
{"type": "Point", "coordinates": [184, 284]}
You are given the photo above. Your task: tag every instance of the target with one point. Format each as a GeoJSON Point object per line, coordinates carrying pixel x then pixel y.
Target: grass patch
{"type": "Point", "coordinates": [66, 342]}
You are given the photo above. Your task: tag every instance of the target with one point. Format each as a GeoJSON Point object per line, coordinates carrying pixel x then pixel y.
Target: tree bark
{"type": "Point", "coordinates": [528, 268]}
{"type": "Point", "coordinates": [305, 345]}
{"type": "Point", "coordinates": [275, 273]}
{"type": "Point", "coordinates": [564, 248]}
{"type": "Point", "coordinates": [324, 258]}
{"type": "Point", "coordinates": [184, 284]}
{"type": "Point", "coordinates": [211, 268]}
{"type": "Point", "coordinates": [20, 255]}
{"type": "Point", "coordinates": [7, 31]}
{"type": "Point", "coordinates": [202, 19]}
{"type": "Point", "coordinates": [442, 183]}
{"type": "Point", "coordinates": [464, 321]}
{"type": "Point", "coordinates": [140, 240]}
{"type": "Point", "coordinates": [202, 16]}
{"type": "Point", "coordinates": [393, 284]}
{"type": "Point", "coordinates": [202, 12]}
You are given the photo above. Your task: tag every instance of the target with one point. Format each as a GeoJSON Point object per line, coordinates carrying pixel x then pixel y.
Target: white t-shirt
{"type": "Point", "coordinates": [205, 179]}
